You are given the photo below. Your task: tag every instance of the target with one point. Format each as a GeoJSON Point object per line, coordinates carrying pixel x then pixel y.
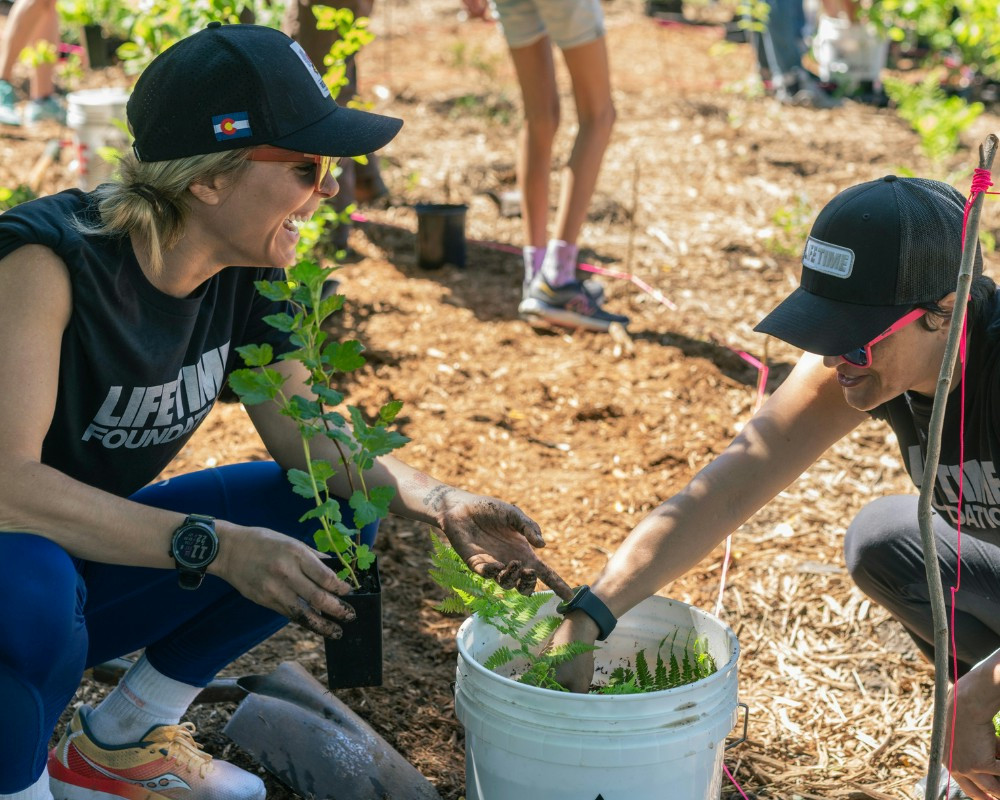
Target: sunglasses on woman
{"type": "Point", "coordinates": [324, 164]}
{"type": "Point", "coordinates": [862, 356]}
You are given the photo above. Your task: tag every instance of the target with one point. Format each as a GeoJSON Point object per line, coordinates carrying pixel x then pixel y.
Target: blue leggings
{"type": "Point", "coordinates": [62, 615]}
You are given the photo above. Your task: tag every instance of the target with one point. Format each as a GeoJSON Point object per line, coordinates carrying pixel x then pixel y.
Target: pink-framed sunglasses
{"type": "Point", "coordinates": [324, 164]}
{"type": "Point", "coordinates": [862, 356]}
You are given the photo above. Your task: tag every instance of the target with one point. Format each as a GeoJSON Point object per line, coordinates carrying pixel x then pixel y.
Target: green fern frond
{"type": "Point", "coordinates": [539, 674]}
{"type": "Point", "coordinates": [620, 675]}
{"type": "Point", "coordinates": [502, 655]}
{"type": "Point", "coordinates": [567, 652]}
{"type": "Point", "coordinates": [523, 609]}
{"type": "Point", "coordinates": [660, 679]}
{"type": "Point", "coordinates": [642, 674]}
{"type": "Point", "coordinates": [628, 687]}
{"type": "Point", "coordinates": [542, 630]}
{"type": "Point", "coordinates": [622, 681]}
{"type": "Point", "coordinates": [451, 605]}
{"type": "Point", "coordinates": [687, 669]}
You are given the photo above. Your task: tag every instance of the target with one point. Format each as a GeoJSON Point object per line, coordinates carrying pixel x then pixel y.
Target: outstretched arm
{"type": "Point", "coordinates": [798, 423]}
{"type": "Point", "coordinates": [495, 538]}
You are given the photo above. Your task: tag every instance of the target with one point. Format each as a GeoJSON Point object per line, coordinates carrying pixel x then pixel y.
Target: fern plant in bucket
{"type": "Point", "coordinates": [516, 616]}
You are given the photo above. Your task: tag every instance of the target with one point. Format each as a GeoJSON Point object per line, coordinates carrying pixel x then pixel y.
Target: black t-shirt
{"type": "Point", "coordinates": [138, 369]}
{"type": "Point", "coordinates": [909, 415]}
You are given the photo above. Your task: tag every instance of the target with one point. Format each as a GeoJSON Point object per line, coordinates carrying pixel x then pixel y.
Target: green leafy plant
{"type": "Point", "coordinates": [164, 22]}
{"type": "Point", "coordinates": [497, 108]}
{"type": "Point", "coordinates": [965, 29]}
{"type": "Point", "coordinates": [312, 232]}
{"type": "Point", "coordinates": [14, 197]}
{"type": "Point", "coordinates": [753, 15]}
{"type": "Point", "coordinates": [316, 416]}
{"type": "Point", "coordinates": [514, 615]}
{"type": "Point", "coordinates": [938, 119]}
{"type": "Point", "coordinates": [111, 15]}
{"type": "Point", "coordinates": [695, 663]}
{"type": "Point", "coordinates": [510, 612]}
{"type": "Point", "coordinates": [353, 34]}
{"type": "Point", "coordinates": [38, 54]}
{"type": "Point", "coordinates": [792, 224]}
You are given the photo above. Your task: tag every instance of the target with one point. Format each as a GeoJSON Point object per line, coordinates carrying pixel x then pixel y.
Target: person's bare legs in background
{"type": "Point", "coordinates": [29, 22]}
{"type": "Point", "coordinates": [552, 290]}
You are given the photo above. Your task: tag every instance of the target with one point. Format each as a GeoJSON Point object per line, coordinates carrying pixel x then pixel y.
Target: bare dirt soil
{"type": "Point", "coordinates": [707, 192]}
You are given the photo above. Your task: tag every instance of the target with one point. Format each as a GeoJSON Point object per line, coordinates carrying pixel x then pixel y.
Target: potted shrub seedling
{"type": "Point", "coordinates": [356, 658]}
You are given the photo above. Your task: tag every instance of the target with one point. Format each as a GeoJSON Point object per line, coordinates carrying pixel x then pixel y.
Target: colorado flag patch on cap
{"type": "Point", "coordinates": [231, 126]}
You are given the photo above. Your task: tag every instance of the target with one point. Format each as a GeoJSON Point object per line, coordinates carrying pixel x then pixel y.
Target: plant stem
{"type": "Point", "coordinates": [351, 575]}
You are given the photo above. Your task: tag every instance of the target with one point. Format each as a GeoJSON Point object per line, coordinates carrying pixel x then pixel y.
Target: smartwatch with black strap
{"type": "Point", "coordinates": [194, 546]}
{"type": "Point", "coordinates": [590, 604]}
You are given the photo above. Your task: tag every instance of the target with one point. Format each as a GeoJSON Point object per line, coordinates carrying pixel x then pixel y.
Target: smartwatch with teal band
{"type": "Point", "coordinates": [590, 604]}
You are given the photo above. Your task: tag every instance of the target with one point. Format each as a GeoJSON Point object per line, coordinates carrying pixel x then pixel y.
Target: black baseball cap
{"type": "Point", "coordinates": [233, 86]}
{"type": "Point", "coordinates": [876, 251]}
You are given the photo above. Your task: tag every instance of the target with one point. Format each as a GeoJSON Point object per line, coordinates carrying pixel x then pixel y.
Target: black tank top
{"type": "Point", "coordinates": [909, 415]}
{"type": "Point", "coordinates": [138, 369]}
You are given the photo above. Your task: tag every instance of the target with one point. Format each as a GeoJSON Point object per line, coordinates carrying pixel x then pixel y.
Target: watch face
{"type": "Point", "coordinates": [195, 547]}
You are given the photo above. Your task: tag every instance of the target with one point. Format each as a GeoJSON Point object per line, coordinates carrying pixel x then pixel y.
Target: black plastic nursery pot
{"type": "Point", "coordinates": [97, 46]}
{"type": "Point", "coordinates": [355, 659]}
{"type": "Point", "coordinates": [440, 234]}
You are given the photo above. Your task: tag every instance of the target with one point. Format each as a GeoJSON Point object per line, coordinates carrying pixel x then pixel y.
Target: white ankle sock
{"type": "Point", "coordinates": [142, 699]}
{"type": "Point", "coordinates": [532, 257]}
{"type": "Point", "coordinates": [39, 790]}
{"type": "Point", "coordinates": [559, 265]}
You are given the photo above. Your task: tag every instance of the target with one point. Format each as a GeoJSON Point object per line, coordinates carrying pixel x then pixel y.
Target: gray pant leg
{"type": "Point", "coordinates": [885, 557]}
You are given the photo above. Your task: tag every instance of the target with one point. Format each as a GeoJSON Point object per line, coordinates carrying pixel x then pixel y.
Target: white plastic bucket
{"type": "Point", "coordinates": [525, 742]}
{"type": "Point", "coordinates": [848, 52]}
{"type": "Point", "coordinates": [91, 115]}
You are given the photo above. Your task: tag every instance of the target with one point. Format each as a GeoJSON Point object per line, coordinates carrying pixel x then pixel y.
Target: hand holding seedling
{"type": "Point", "coordinates": [283, 574]}
{"type": "Point", "coordinates": [496, 539]}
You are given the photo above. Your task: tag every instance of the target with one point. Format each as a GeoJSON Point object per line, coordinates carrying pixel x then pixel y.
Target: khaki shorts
{"type": "Point", "coordinates": [569, 23]}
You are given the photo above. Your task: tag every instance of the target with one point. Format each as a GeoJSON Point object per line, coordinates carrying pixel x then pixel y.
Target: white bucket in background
{"type": "Point", "coordinates": [848, 52]}
{"type": "Point", "coordinates": [91, 114]}
{"type": "Point", "coordinates": [526, 743]}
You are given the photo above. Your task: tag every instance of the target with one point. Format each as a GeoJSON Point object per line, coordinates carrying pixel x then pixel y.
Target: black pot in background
{"type": "Point", "coordinates": [355, 659]}
{"type": "Point", "coordinates": [440, 234]}
{"type": "Point", "coordinates": [97, 46]}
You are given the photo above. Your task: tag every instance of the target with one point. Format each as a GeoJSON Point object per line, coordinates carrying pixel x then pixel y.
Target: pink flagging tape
{"type": "Point", "coordinates": [656, 294]}
{"type": "Point", "coordinates": [65, 47]}
{"type": "Point", "coordinates": [762, 372]}
{"type": "Point", "coordinates": [722, 577]}
{"type": "Point", "coordinates": [732, 780]}
{"type": "Point", "coordinates": [981, 183]}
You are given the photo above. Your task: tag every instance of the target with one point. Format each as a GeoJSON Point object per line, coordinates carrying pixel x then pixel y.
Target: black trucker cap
{"type": "Point", "coordinates": [876, 251]}
{"type": "Point", "coordinates": [233, 86]}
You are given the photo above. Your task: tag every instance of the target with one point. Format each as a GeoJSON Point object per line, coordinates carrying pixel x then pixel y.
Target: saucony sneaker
{"type": "Point", "coordinates": [166, 765]}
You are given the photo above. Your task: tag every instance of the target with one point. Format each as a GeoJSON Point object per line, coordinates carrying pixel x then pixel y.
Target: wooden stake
{"type": "Point", "coordinates": [987, 151]}
{"type": "Point", "coordinates": [633, 211]}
